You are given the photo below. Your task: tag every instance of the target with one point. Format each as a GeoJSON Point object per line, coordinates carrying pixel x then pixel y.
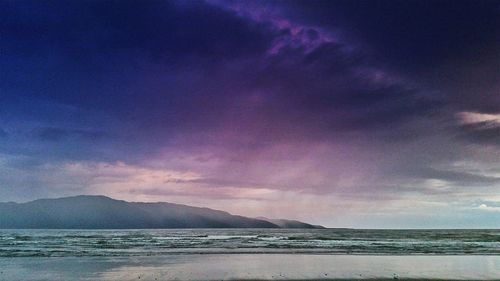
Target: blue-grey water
{"type": "Point", "coordinates": [95, 243]}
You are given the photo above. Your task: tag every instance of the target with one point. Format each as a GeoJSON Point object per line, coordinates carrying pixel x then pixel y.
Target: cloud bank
{"type": "Point", "coordinates": [343, 113]}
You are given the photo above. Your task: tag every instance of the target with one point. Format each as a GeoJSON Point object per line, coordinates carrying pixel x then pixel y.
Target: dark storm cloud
{"type": "Point", "coordinates": [140, 66]}
{"type": "Point", "coordinates": [356, 99]}
{"type": "Point", "coordinates": [482, 133]}
{"type": "Point", "coordinates": [158, 28]}
{"type": "Point", "coordinates": [414, 35]}
{"type": "Point", "coordinates": [82, 53]}
{"type": "Point", "coordinates": [168, 67]}
{"type": "Point", "coordinates": [85, 53]}
{"type": "Point", "coordinates": [451, 46]}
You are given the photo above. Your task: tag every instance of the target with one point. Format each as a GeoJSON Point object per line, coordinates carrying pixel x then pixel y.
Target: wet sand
{"type": "Point", "coordinates": [253, 267]}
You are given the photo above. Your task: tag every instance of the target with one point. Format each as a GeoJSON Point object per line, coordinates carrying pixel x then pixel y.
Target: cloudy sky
{"type": "Point", "coordinates": [344, 113]}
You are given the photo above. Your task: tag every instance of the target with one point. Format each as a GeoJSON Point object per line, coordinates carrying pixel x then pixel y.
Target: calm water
{"type": "Point", "coordinates": [123, 243]}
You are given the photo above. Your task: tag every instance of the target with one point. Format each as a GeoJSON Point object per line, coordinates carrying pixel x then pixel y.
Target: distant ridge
{"type": "Point", "coordinates": [101, 212]}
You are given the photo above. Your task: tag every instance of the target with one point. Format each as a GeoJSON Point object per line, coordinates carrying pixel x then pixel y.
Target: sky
{"type": "Point", "coordinates": [345, 113]}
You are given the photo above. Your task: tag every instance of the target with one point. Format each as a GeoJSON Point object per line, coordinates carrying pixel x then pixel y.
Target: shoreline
{"type": "Point", "coordinates": [225, 252]}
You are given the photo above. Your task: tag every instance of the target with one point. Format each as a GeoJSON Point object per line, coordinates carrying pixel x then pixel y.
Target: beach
{"type": "Point", "coordinates": [253, 267]}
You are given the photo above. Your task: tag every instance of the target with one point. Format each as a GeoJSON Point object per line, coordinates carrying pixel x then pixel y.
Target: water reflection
{"type": "Point", "coordinates": [251, 266]}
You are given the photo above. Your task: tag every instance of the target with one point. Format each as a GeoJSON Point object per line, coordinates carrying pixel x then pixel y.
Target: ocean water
{"type": "Point", "coordinates": [133, 243]}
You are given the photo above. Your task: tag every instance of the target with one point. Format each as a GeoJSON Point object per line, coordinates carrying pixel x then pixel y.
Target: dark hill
{"type": "Point", "coordinates": [98, 212]}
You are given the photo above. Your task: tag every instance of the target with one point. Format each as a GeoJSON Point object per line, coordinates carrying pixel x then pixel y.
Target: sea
{"type": "Point", "coordinates": [156, 242]}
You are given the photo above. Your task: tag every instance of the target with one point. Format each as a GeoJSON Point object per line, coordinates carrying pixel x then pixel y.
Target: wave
{"type": "Point", "coordinates": [55, 243]}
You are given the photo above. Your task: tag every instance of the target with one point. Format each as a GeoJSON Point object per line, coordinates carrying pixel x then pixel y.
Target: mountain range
{"type": "Point", "coordinates": [101, 212]}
